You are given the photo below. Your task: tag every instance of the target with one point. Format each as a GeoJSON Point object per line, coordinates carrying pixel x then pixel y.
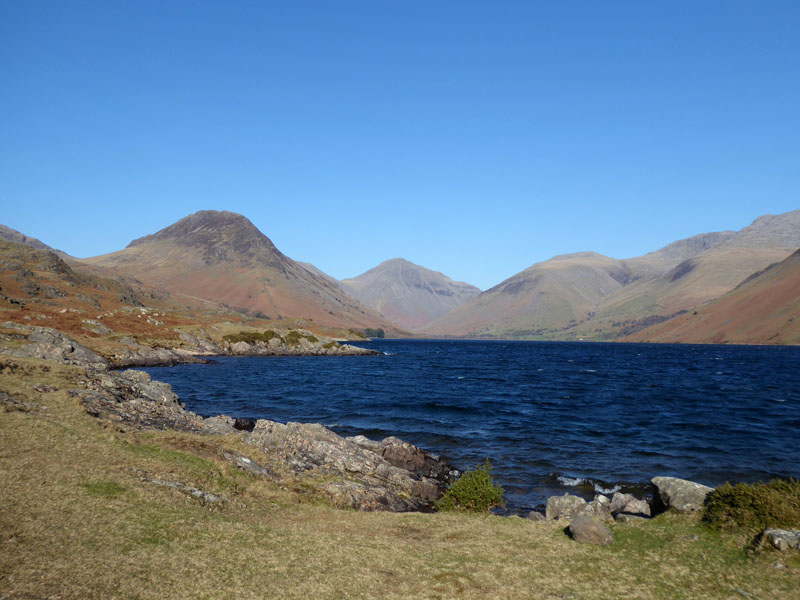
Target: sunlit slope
{"type": "Point", "coordinates": [408, 294]}
{"type": "Point", "coordinates": [764, 310]}
{"type": "Point", "coordinates": [589, 296]}
{"type": "Point", "coordinates": [223, 257]}
{"type": "Point", "coordinates": [538, 301]}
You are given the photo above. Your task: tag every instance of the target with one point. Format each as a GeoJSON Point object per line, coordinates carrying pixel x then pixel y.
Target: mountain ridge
{"type": "Point", "coordinates": [573, 296]}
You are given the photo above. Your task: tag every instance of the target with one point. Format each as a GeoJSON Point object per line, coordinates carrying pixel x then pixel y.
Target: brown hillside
{"type": "Point", "coordinates": [765, 309]}
{"type": "Point", "coordinates": [222, 256]}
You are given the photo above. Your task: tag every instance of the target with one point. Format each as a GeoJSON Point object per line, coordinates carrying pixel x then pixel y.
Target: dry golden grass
{"type": "Point", "coordinates": [78, 521]}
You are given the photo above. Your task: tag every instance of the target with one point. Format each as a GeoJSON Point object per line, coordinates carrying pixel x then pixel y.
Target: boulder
{"type": "Point", "coordinates": [536, 516]}
{"type": "Point", "coordinates": [626, 503]}
{"type": "Point", "coordinates": [680, 494]}
{"type": "Point", "coordinates": [563, 507]}
{"type": "Point", "coordinates": [599, 508]}
{"type": "Point", "coordinates": [779, 539]}
{"type": "Point", "coordinates": [587, 530]}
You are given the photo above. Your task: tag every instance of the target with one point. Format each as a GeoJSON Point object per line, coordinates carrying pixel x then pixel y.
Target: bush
{"type": "Point", "coordinates": [754, 506]}
{"type": "Point", "coordinates": [251, 337]}
{"type": "Point", "coordinates": [293, 338]}
{"type": "Point", "coordinates": [474, 491]}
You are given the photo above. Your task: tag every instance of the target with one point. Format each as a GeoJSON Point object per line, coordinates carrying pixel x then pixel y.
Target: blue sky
{"type": "Point", "coordinates": [474, 138]}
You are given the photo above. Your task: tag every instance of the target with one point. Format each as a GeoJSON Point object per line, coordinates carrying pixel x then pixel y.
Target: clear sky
{"type": "Point", "coordinates": [474, 138]}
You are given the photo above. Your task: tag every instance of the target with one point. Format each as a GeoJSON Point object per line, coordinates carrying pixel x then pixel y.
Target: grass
{"type": "Point", "coordinates": [78, 520]}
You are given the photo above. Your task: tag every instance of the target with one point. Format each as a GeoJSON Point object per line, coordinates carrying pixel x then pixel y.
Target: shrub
{"type": "Point", "coordinates": [293, 338]}
{"type": "Point", "coordinates": [754, 506]}
{"type": "Point", "coordinates": [474, 491]}
{"type": "Point", "coordinates": [251, 337]}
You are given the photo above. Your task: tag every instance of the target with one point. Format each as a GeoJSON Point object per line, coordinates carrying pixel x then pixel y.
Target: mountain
{"type": "Point", "coordinates": [12, 235]}
{"type": "Point", "coordinates": [222, 256]}
{"type": "Point", "coordinates": [408, 294]}
{"type": "Point", "coordinates": [764, 309]}
{"type": "Point", "coordinates": [543, 298]}
{"type": "Point", "coordinates": [590, 296]}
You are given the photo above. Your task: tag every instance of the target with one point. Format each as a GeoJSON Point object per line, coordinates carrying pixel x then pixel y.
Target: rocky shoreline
{"type": "Point", "coordinates": [200, 349]}
{"type": "Point", "coordinates": [353, 472]}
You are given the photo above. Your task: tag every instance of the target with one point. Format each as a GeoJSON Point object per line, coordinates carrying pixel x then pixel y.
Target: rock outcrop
{"type": "Point", "coordinates": [51, 344]}
{"type": "Point", "coordinates": [363, 477]}
{"type": "Point", "coordinates": [682, 495]}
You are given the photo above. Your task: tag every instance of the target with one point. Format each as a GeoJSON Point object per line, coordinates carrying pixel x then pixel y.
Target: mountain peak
{"type": "Point", "coordinates": [408, 294]}
{"type": "Point", "coordinates": [219, 234]}
{"type": "Point", "coordinates": [203, 226]}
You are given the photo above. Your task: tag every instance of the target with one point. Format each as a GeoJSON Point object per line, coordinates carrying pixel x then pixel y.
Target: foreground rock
{"type": "Point", "coordinates": [588, 530]}
{"type": "Point", "coordinates": [682, 495]}
{"type": "Point", "coordinates": [364, 479]}
{"type": "Point", "coordinates": [627, 504]}
{"type": "Point", "coordinates": [50, 344]}
{"type": "Point", "coordinates": [563, 507]}
{"type": "Point", "coordinates": [779, 539]}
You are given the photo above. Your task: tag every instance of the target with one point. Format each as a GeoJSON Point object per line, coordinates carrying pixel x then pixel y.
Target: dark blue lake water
{"type": "Point", "coordinates": [552, 417]}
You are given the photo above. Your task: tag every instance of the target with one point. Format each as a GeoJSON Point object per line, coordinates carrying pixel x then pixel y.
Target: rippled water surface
{"type": "Point", "coordinates": [550, 416]}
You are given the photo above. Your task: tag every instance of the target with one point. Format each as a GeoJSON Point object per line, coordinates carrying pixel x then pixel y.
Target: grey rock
{"type": "Point", "coordinates": [202, 495]}
{"type": "Point", "coordinates": [409, 457]}
{"type": "Point", "coordinates": [131, 398]}
{"type": "Point", "coordinates": [536, 516]}
{"type": "Point", "coordinates": [779, 539]}
{"type": "Point", "coordinates": [49, 344]}
{"type": "Point", "coordinates": [221, 424]}
{"type": "Point", "coordinates": [246, 464]}
{"type": "Point", "coordinates": [363, 478]}
{"type": "Point", "coordinates": [599, 508]}
{"type": "Point", "coordinates": [680, 494]}
{"type": "Point", "coordinates": [623, 517]}
{"type": "Point", "coordinates": [563, 507]}
{"type": "Point", "coordinates": [626, 503]}
{"type": "Point", "coordinates": [587, 530]}
{"type": "Point", "coordinates": [97, 327]}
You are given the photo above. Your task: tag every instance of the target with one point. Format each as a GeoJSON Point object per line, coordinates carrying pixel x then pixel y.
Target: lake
{"type": "Point", "coordinates": [550, 416]}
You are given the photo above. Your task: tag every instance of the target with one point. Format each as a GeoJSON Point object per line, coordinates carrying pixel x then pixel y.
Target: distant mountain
{"type": "Point", "coordinates": [542, 299]}
{"type": "Point", "coordinates": [12, 235]}
{"type": "Point", "coordinates": [589, 296]}
{"type": "Point", "coordinates": [408, 294]}
{"type": "Point", "coordinates": [764, 309]}
{"type": "Point", "coordinates": [222, 256]}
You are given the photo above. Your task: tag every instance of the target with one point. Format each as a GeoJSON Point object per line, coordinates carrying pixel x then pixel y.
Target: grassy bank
{"type": "Point", "coordinates": [81, 518]}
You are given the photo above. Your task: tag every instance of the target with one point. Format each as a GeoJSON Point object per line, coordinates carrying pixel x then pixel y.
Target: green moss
{"type": "Point", "coordinates": [754, 506]}
{"type": "Point", "coordinates": [474, 491]}
{"type": "Point", "coordinates": [330, 345]}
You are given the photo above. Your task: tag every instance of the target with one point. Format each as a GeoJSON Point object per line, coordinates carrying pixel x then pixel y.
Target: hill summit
{"type": "Point", "coordinates": [222, 256]}
{"type": "Point", "coordinates": [408, 294]}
